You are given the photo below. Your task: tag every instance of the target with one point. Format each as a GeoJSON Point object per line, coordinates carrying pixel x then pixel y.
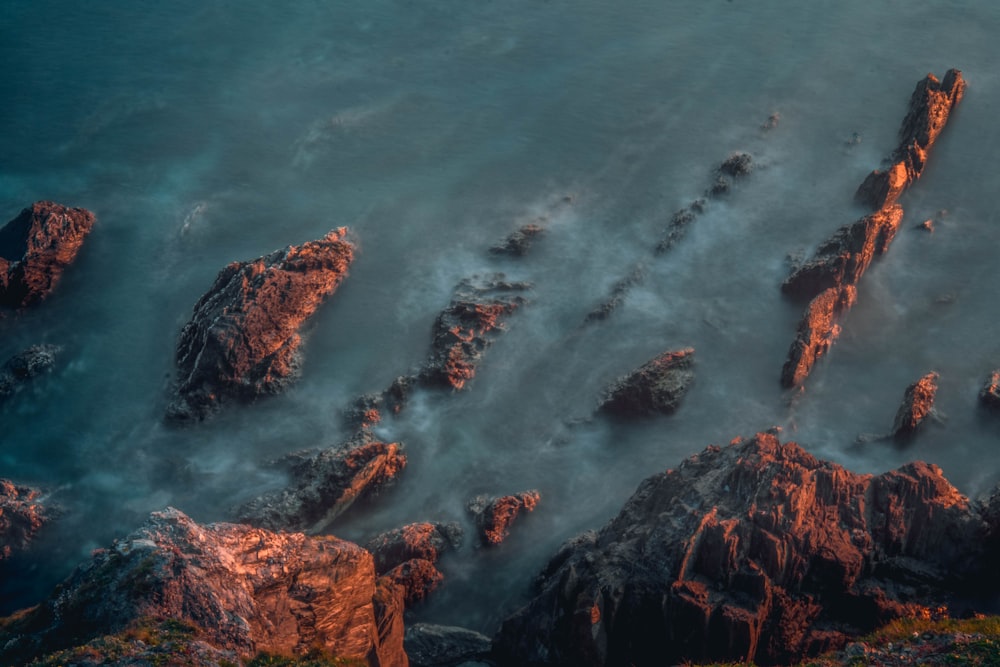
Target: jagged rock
{"type": "Point", "coordinates": [844, 257]}
{"type": "Point", "coordinates": [494, 516]}
{"type": "Point", "coordinates": [519, 242]}
{"type": "Point", "coordinates": [417, 578]}
{"type": "Point", "coordinates": [367, 410]}
{"type": "Point", "coordinates": [678, 225]}
{"type": "Point", "coordinates": [35, 249]}
{"type": "Point", "coordinates": [242, 340]}
{"type": "Point", "coordinates": [817, 331]}
{"type": "Point", "coordinates": [618, 292]}
{"type": "Point", "coordinates": [930, 106]}
{"type": "Point", "coordinates": [430, 645]}
{"type": "Point", "coordinates": [416, 540]}
{"type": "Point", "coordinates": [757, 551]}
{"type": "Point", "coordinates": [737, 165]}
{"type": "Point", "coordinates": [324, 484]}
{"type": "Point", "coordinates": [464, 329]}
{"type": "Point", "coordinates": [25, 365]}
{"type": "Point", "coordinates": [22, 515]}
{"type": "Point", "coordinates": [989, 395]}
{"type": "Point", "coordinates": [245, 589]}
{"type": "Point", "coordinates": [917, 405]}
{"type": "Point", "coordinates": [655, 387]}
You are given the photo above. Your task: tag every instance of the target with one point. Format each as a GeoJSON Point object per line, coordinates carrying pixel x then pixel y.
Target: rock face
{"type": "Point", "coordinates": [35, 249]}
{"type": "Point", "coordinates": [22, 515]}
{"type": "Point", "coordinates": [245, 589]}
{"type": "Point", "coordinates": [917, 405]}
{"type": "Point", "coordinates": [655, 387]}
{"type": "Point", "coordinates": [757, 552]}
{"type": "Point", "coordinates": [930, 107]}
{"type": "Point", "coordinates": [25, 365]}
{"type": "Point", "coordinates": [242, 340]}
{"type": "Point", "coordinates": [430, 645]}
{"type": "Point", "coordinates": [494, 516]}
{"type": "Point", "coordinates": [408, 556]}
{"type": "Point", "coordinates": [324, 484]}
{"type": "Point", "coordinates": [817, 331]}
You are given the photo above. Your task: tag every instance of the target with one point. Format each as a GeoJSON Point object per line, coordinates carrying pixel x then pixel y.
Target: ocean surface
{"type": "Point", "coordinates": [201, 133]}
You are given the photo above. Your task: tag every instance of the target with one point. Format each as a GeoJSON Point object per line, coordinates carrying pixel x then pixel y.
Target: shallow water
{"type": "Point", "coordinates": [203, 135]}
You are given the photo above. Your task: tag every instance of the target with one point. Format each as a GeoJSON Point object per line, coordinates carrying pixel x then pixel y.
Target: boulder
{"type": "Point", "coordinates": [917, 405]}
{"type": "Point", "coordinates": [426, 541]}
{"type": "Point", "coordinates": [429, 645]}
{"type": "Point", "coordinates": [655, 387]}
{"type": "Point", "coordinates": [519, 242]}
{"type": "Point", "coordinates": [324, 484]}
{"type": "Point", "coordinates": [494, 516]}
{"type": "Point", "coordinates": [756, 552]}
{"type": "Point", "coordinates": [26, 365]}
{"type": "Point", "coordinates": [22, 515]}
{"type": "Point", "coordinates": [35, 249]}
{"type": "Point", "coordinates": [244, 589]}
{"type": "Point", "coordinates": [817, 331]}
{"type": "Point", "coordinates": [243, 338]}
{"type": "Point", "coordinates": [989, 395]}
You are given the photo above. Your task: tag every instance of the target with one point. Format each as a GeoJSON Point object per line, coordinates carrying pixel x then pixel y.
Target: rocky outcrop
{"type": "Point", "coordinates": [22, 515]}
{"type": "Point", "coordinates": [430, 645]}
{"type": "Point", "coordinates": [817, 331]}
{"type": "Point", "coordinates": [324, 484]}
{"type": "Point", "coordinates": [519, 242]}
{"type": "Point", "coordinates": [408, 556]}
{"type": "Point", "coordinates": [26, 365]}
{"type": "Point", "coordinates": [494, 516]}
{"type": "Point", "coordinates": [245, 589]}
{"type": "Point", "coordinates": [369, 409]}
{"type": "Point", "coordinates": [678, 225]}
{"type": "Point", "coordinates": [989, 395]}
{"type": "Point", "coordinates": [930, 107]}
{"type": "Point", "coordinates": [35, 249]}
{"type": "Point", "coordinates": [243, 338]}
{"type": "Point", "coordinates": [617, 295]}
{"type": "Point", "coordinates": [917, 405]}
{"type": "Point", "coordinates": [757, 551]}
{"type": "Point", "coordinates": [656, 387]}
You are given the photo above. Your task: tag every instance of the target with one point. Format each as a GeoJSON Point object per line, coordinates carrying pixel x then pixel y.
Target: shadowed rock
{"type": "Point", "coordinates": [22, 515]}
{"type": "Point", "coordinates": [245, 589]}
{"type": "Point", "coordinates": [817, 331]}
{"type": "Point", "coordinates": [416, 540]}
{"type": "Point", "coordinates": [369, 409]}
{"type": "Point", "coordinates": [35, 249]}
{"type": "Point", "coordinates": [678, 225]}
{"type": "Point", "coordinates": [26, 365]}
{"type": "Point", "coordinates": [656, 387]}
{"type": "Point", "coordinates": [930, 106]}
{"type": "Point", "coordinates": [753, 552]}
{"type": "Point", "coordinates": [989, 395]}
{"type": "Point", "coordinates": [430, 645]}
{"type": "Point", "coordinates": [324, 484]}
{"type": "Point", "coordinates": [494, 516]}
{"type": "Point", "coordinates": [519, 242]}
{"type": "Point", "coordinates": [417, 578]}
{"type": "Point", "coordinates": [617, 296]}
{"type": "Point", "coordinates": [917, 405]}
{"type": "Point", "coordinates": [243, 338]}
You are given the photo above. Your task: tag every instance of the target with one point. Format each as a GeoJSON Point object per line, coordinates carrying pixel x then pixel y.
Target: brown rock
{"type": "Point", "coordinates": [655, 387]}
{"type": "Point", "coordinates": [417, 578]}
{"type": "Point", "coordinates": [754, 552]}
{"type": "Point", "coordinates": [369, 409]}
{"type": "Point", "coordinates": [917, 405]}
{"type": "Point", "coordinates": [242, 340]}
{"type": "Point", "coordinates": [494, 516]}
{"type": "Point", "coordinates": [35, 249]}
{"type": "Point", "coordinates": [426, 541]}
{"type": "Point", "coordinates": [22, 515]}
{"type": "Point", "coordinates": [817, 331]}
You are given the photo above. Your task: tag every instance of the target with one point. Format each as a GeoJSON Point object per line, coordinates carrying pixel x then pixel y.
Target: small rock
{"type": "Point", "coordinates": [494, 516]}
{"type": "Point", "coordinates": [655, 387]}
{"type": "Point", "coordinates": [430, 645]}
{"type": "Point", "coordinates": [917, 405]}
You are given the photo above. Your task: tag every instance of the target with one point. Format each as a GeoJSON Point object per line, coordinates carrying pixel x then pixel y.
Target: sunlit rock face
{"type": "Point", "coordinates": [817, 331]}
{"type": "Point", "coordinates": [916, 407]}
{"type": "Point", "coordinates": [22, 515]}
{"type": "Point", "coordinates": [757, 551]}
{"type": "Point", "coordinates": [243, 338]}
{"type": "Point", "coordinates": [245, 589]}
{"type": "Point", "coordinates": [36, 247]}
{"type": "Point", "coordinates": [495, 516]}
{"type": "Point", "coordinates": [407, 557]}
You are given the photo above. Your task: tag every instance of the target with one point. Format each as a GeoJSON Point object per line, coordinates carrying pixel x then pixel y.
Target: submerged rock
{"type": "Point", "coordinates": [655, 387]}
{"type": "Point", "coordinates": [243, 338]}
{"type": "Point", "coordinates": [817, 331]}
{"type": "Point", "coordinates": [430, 645]}
{"type": "Point", "coordinates": [22, 515]}
{"type": "Point", "coordinates": [519, 242]}
{"type": "Point", "coordinates": [26, 365]}
{"type": "Point", "coordinates": [244, 589]}
{"type": "Point", "coordinates": [494, 516]}
{"type": "Point", "coordinates": [989, 395]}
{"type": "Point", "coordinates": [755, 552]}
{"type": "Point", "coordinates": [617, 295]}
{"type": "Point", "coordinates": [324, 484]}
{"type": "Point", "coordinates": [917, 405]}
{"type": "Point", "coordinates": [678, 225]}
{"type": "Point", "coordinates": [35, 249]}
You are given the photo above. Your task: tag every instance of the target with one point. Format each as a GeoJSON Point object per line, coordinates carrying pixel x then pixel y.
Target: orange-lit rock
{"type": "Point", "coordinates": [417, 578]}
{"type": "Point", "coordinates": [494, 516]}
{"type": "Point", "coordinates": [35, 249]}
{"type": "Point", "coordinates": [655, 387]}
{"type": "Point", "coordinates": [989, 395]}
{"type": "Point", "coordinates": [917, 405]}
{"type": "Point", "coordinates": [244, 589]}
{"type": "Point", "coordinates": [757, 551]}
{"type": "Point", "coordinates": [426, 541]}
{"type": "Point", "coordinates": [817, 331]}
{"type": "Point", "coordinates": [242, 340]}
{"type": "Point", "coordinates": [22, 515]}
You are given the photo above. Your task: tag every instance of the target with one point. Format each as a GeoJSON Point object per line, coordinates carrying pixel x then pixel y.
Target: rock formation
{"type": "Point", "coordinates": [243, 338]}
{"type": "Point", "coordinates": [655, 387]}
{"type": "Point", "coordinates": [367, 410]}
{"type": "Point", "coordinates": [989, 395]}
{"type": "Point", "coordinates": [245, 589]}
{"type": "Point", "coordinates": [930, 107]}
{"type": "Point", "coordinates": [430, 645]}
{"type": "Point", "coordinates": [408, 556]}
{"type": "Point", "coordinates": [494, 516]}
{"type": "Point", "coordinates": [22, 515]}
{"type": "Point", "coordinates": [678, 225]}
{"type": "Point", "coordinates": [35, 249]}
{"type": "Point", "coordinates": [757, 551]}
{"type": "Point", "coordinates": [25, 365]}
{"type": "Point", "coordinates": [817, 331]}
{"type": "Point", "coordinates": [519, 242]}
{"type": "Point", "coordinates": [917, 405]}
{"type": "Point", "coordinates": [325, 483]}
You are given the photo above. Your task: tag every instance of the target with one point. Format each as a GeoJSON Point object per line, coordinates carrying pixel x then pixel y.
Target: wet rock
{"type": "Point", "coordinates": [369, 409]}
{"type": "Point", "coordinates": [656, 387]}
{"type": "Point", "coordinates": [22, 514]}
{"type": "Point", "coordinates": [989, 395]}
{"type": "Point", "coordinates": [467, 327]}
{"type": "Point", "coordinates": [617, 296]}
{"type": "Point", "coordinates": [843, 258]}
{"type": "Point", "coordinates": [519, 242]}
{"type": "Point", "coordinates": [917, 405]}
{"type": "Point", "coordinates": [36, 247]}
{"type": "Point", "coordinates": [678, 225]}
{"type": "Point", "coordinates": [430, 645]}
{"type": "Point", "coordinates": [243, 338]}
{"type": "Point", "coordinates": [737, 165]}
{"type": "Point", "coordinates": [753, 552]}
{"type": "Point", "coordinates": [324, 484]}
{"type": "Point", "coordinates": [26, 365]}
{"type": "Point", "coordinates": [494, 516]}
{"type": "Point", "coordinates": [930, 107]}
{"type": "Point", "coordinates": [817, 331]}
{"type": "Point", "coordinates": [417, 578]}
{"type": "Point", "coordinates": [426, 541]}
{"type": "Point", "coordinates": [245, 589]}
